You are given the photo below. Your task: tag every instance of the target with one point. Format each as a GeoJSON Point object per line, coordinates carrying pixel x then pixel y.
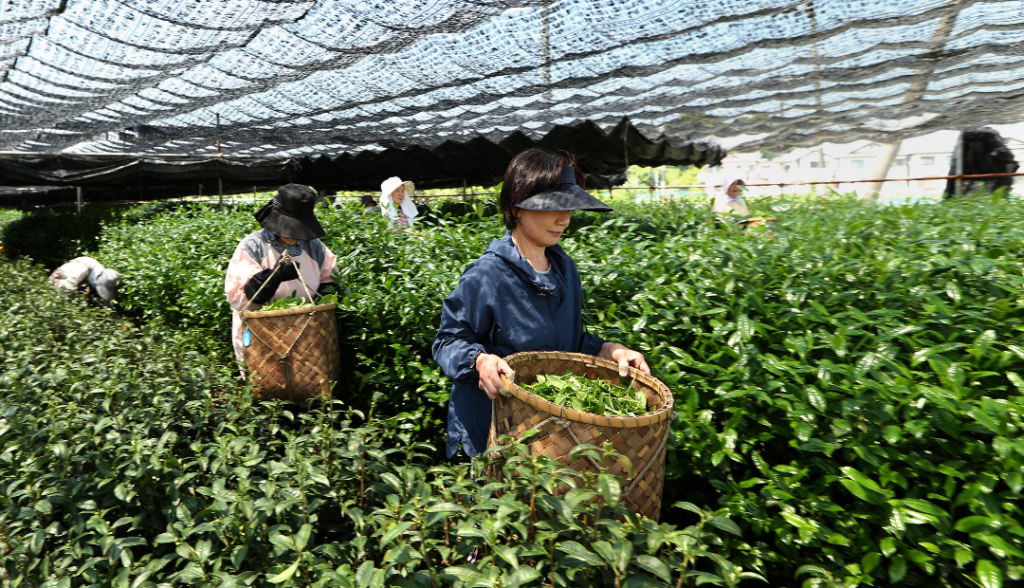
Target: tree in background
{"type": "Point", "coordinates": [673, 175]}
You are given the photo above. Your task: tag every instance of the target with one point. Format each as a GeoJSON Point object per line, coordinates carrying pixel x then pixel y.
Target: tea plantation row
{"type": "Point", "coordinates": [847, 385]}
{"type": "Point", "coordinates": [128, 458]}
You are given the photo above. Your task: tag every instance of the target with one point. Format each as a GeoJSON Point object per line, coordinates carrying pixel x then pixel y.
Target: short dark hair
{"type": "Point", "coordinates": [531, 172]}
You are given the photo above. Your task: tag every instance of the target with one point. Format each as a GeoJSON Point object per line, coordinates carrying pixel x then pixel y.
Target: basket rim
{"type": "Point", "coordinates": [289, 311]}
{"type": "Point", "coordinates": [643, 420]}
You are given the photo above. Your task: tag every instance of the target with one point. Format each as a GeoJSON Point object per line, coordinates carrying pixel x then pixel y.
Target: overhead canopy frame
{"type": "Point", "coordinates": [293, 79]}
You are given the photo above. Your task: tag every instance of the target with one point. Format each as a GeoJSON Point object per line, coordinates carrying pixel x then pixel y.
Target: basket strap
{"type": "Point", "coordinates": [282, 357]}
{"type": "Point", "coordinates": [284, 259]}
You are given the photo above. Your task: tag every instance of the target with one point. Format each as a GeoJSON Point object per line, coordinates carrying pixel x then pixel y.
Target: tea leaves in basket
{"type": "Point", "coordinates": [296, 302]}
{"type": "Point", "coordinates": [594, 396]}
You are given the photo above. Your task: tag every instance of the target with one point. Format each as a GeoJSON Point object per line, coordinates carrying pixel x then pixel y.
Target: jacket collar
{"type": "Point", "coordinates": [507, 251]}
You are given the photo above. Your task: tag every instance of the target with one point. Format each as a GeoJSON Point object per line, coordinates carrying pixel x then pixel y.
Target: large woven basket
{"type": "Point", "coordinates": [293, 353]}
{"type": "Point", "coordinates": [641, 438]}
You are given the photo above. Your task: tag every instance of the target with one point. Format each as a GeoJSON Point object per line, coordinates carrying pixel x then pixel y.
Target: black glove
{"type": "Point", "coordinates": [285, 273]}
{"type": "Point", "coordinates": [325, 288]}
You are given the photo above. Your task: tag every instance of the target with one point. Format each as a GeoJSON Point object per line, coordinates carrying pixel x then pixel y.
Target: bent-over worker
{"type": "Point", "coordinates": [289, 224]}
{"type": "Point", "coordinates": [523, 294]}
{"type": "Point", "coordinates": [85, 274]}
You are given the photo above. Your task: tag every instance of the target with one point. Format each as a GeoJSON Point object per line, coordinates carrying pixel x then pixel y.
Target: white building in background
{"type": "Point", "coordinates": [928, 155]}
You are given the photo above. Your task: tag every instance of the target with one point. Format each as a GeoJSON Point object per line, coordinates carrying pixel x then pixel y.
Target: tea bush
{"type": "Point", "coordinates": [8, 215]}
{"type": "Point", "coordinates": [52, 236]}
{"type": "Point", "coordinates": [129, 458]}
{"type": "Point", "coordinates": [846, 382]}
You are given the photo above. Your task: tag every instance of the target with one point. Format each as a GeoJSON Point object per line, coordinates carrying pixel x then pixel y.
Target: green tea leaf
{"type": "Point", "coordinates": [989, 574]}
{"type": "Point", "coordinates": [287, 574]}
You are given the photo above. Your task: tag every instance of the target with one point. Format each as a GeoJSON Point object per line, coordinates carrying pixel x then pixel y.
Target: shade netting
{"type": "Point", "coordinates": [289, 79]}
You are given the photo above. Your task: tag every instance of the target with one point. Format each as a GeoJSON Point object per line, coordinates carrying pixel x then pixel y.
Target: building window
{"type": "Point", "coordinates": [900, 161]}
{"type": "Point", "coordinates": [857, 163]}
{"type": "Point", "coordinates": [928, 160]}
{"type": "Point", "coordinates": [815, 164]}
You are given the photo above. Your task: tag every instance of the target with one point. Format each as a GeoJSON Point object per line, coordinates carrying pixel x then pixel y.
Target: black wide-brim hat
{"type": "Point", "coordinates": [567, 195]}
{"type": "Point", "coordinates": [290, 214]}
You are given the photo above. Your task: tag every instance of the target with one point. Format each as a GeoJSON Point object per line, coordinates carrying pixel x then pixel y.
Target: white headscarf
{"type": "Point", "coordinates": [727, 204]}
{"type": "Point", "coordinates": [387, 207]}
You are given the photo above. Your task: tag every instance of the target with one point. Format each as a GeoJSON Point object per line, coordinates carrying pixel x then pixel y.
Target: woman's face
{"type": "Point", "coordinates": [542, 227]}
{"type": "Point", "coordinates": [287, 241]}
{"type": "Point", "coordinates": [736, 189]}
{"type": "Point", "coordinates": [398, 196]}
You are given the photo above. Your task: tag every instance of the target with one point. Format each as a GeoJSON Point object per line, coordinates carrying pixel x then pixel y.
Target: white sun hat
{"type": "Point", "coordinates": [387, 207]}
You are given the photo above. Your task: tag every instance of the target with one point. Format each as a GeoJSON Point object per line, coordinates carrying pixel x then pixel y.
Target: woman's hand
{"type": "Point", "coordinates": [489, 366]}
{"type": "Point", "coordinates": [625, 357]}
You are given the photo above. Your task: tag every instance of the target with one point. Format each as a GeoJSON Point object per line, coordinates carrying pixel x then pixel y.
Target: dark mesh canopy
{"type": "Point", "coordinates": [288, 79]}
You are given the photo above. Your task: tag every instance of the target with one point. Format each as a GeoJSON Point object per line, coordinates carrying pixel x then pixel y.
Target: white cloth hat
{"type": "Point", "coordinates": [106, 284]}
{"type": "Point", "coordinates": [387, 207]}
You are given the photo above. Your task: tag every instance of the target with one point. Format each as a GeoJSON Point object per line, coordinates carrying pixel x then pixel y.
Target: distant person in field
{"type": "Point", "coordinates": [396, 203]}
{"type": "Point", "coordinates": [324, 201]}
{"type": "Point", "coordinates": [523, 294]}
{"type": "Point", "coordinates": [288, 224]}
{"type": "Point", "coordinates": [370, 206]}
{"type": "Point", "coordinates": [729, 199]}
{"type": "Point", "coordinates": [85, 274]}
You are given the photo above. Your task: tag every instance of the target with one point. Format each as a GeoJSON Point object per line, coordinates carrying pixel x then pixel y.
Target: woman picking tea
{"type": "Point", "coordinates": [396, 203]}
{"type": "Point", "coordinates": [523, 294]}
{"type": "Point", "coordinates": [289, 224]}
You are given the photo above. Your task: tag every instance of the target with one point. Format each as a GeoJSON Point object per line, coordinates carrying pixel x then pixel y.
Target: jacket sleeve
{"type": "Point", "coordinates": [466, 316]}
{"type": "Point", "coordinates": [241, 269]}
{"type": "Point", "coordinates": [590, 344]}
{"type": "Point", "coordinates": [328, 266]}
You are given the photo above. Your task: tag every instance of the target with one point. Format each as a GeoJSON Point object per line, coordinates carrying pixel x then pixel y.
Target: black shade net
{"type": "Point", "coordinates": [309, 82]}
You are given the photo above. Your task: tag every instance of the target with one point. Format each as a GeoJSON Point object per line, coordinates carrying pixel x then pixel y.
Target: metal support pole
{"type": "Point", "coordinates": [220, 192]}
{"type": "Point", "coordinates": [78, 199]}
{"type": "Point", "coordinates": [958, 153]}
{"type": "Point", "coordinates": [545, 52]}
{"type": "Point", "coordinates": [913, 94]}
{"type": "Point", "coordinates": [218, 136]}
{"type": "Point", "coordinates": [664, 183]}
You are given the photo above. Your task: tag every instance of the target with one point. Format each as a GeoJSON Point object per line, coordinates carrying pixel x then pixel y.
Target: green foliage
{"type": "Point", "coordinates": [7, 216]}
{"type": "Point", "coordinates": [53, 236]}
{"type": "Point", "coordinates": [848, 384]}
{"type": "Point", "coordinates": [674, 176]}
{"type": "Point", "coordinates": [296, 302]}
{"type": "Point", "coordinates": [596, 396]}
{"type": "Point", "coordinates": [128, 458]}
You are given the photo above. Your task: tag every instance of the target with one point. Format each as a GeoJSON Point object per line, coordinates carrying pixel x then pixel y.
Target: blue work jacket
{"type": "Point", "coordinates": [503, 306]}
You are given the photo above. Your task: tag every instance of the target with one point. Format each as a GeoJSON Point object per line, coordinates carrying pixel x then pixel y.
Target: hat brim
{"type": "Point", "coordinates": [564, 197]}
{"type": "Point", "coordinates": [306, 228]}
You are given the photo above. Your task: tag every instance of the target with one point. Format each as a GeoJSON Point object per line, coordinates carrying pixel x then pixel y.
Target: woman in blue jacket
{"type": "Point", "coordinates": [522, 294]}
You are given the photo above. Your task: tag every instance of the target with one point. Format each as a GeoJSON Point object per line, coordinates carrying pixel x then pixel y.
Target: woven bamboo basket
{"type": "Point", "coordinates": [756, 221]}
{"type": "Point", "coordinates": [641, 438]}
{"type": "Point", "coordinates": [293, 354]}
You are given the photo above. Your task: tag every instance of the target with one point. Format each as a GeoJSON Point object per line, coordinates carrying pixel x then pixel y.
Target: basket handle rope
{"type": "Point", "coordinates": [282, 357]}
